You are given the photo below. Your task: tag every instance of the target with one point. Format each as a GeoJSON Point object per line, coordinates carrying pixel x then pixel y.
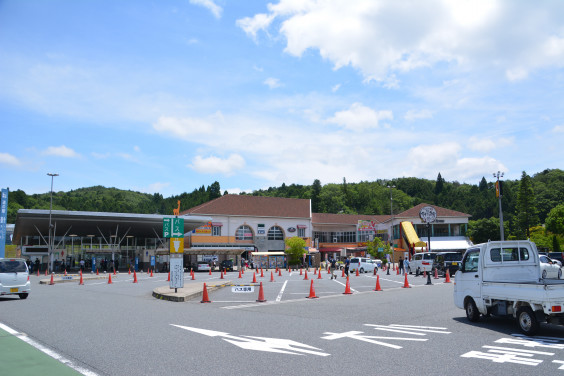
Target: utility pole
{"type": "Point", "coordinates": [51, 235]}
{"type": "Point", "coordinates": [392, 230]}
{"type": "Point", "coordinates": [498, 194]}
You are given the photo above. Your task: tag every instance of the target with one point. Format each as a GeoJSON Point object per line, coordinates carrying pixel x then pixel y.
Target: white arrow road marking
{"type": "Point", "coordinates": [372, 339]}
{"type": "Point", "coordinates": [409, 329]}
{"type": "Point", "coordinates": [279, 345]}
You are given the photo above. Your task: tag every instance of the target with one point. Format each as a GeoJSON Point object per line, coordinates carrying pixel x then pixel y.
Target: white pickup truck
{"type": "Point", "coordinates": [504, 279]}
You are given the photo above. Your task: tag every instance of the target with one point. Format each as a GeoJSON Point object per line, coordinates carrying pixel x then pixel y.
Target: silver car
{"type": "Point", "coordinates": [14, 278]}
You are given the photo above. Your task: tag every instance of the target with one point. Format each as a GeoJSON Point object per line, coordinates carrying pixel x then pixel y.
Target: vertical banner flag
{"type": "Point", "coordinates": [3, 221]}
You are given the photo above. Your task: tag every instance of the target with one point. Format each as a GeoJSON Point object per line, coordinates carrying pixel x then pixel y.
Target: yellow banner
{"type": "Point", "coordinates": [176, 245]}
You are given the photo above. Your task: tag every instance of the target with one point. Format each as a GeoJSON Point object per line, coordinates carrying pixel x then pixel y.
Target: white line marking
{"type": "Point", "coordinates": [48, 351]}
{"type": "Point", "coordinates": [279, 297]}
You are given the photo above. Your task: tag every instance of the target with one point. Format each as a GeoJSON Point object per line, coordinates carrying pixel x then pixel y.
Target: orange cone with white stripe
{"type": "Point", "coordinates": [52, 282]}
{"type": "Point", "coordinates": [319, 274]}
{"type": "Point", "coordinates": [261, 298]}
{"type": "Point", "coordinates": [110, 279]}
{"type": "Point", "coordinates": [279, 272]}
{"type": "Point", "coordinates": [447, 277]}
{"type": "Point", "coordinates": [134, 276]}
{"type": "Point", "coordinates": [205, 298]}
{"type": "Point", "coordinates": [348, 288]}
{"type": "Point", "coordinates": [377, 288]}
{"type": "Point", "coordinates": [406, 284]}
{"type": "Point", "coordinates": [312, 292]}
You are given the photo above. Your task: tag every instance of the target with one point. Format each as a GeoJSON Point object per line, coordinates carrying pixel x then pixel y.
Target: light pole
{"type": "Point", "coordinates": [392, 231]}
{"type": "Point", "coordinates": [498, 194]}
{"type": "Point", "coordinates": [51, 241]}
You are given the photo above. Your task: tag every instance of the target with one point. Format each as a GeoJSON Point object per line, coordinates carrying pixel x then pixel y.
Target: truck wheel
{"type": "Point", "coordinates": [527, 321]}
{"type": "Point", "coordinates": [361, 270]}
{"type": "Point", "coordinates": [472, 312]}
{"type": "Point", "coordinates": [543, 274]}
{"type": "Point", "coordinates": [23, 295]}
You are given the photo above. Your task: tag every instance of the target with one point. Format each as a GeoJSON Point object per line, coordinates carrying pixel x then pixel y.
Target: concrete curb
{"type": "Point", "coordinates": [74, 278]}
{"type": "Point", "coordinates": [192, 291]}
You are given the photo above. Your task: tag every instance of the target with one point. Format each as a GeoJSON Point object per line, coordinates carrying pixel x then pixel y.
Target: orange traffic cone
{"type": "Point", "coordinates": [129, 271]}
{"type": "Point", "coordinates": [271, 276]}
{"type": "Point", "coordinates": [375, 268]}
{"type": "Point", "coordinates": [301, 271]}
{"type": "Point", "coordinates": [261, 273]}
{"type": "Point", "coordinates": [52, 282]}
{"type": "Point", "coordinates": [397, 271]}
{"type": "Point", "coordinates": [306, 278]}
{"type": "Point", "coordinates": [328, 270]}
{"type": "Point", "coordinates": [311, 291]}
{"type": "Point", "coordinates": [279, 273]}
{"type": "Point", "coordinates": [46, 271]}
{"type": "Point", "coordinates": [97, 273]}
{"type": "Point", "coordinates": [348, 287]}
{"type": "Point", "coordinates": [447, 277]}
{"type": "Point", "coordinates": [261, 298]}
{"type": "Point", "coordinates": [377, 288]}
{"type": "Point", "coordinates": [343, 273]}
{"type": "Point", "coordinates": [221, 277]}
{"type": "Point", "coordinates": [406, 284]}
{"type": "Point", "coordinates": [192, 275]}
{"type": "Point", "coordinates": [315, 271]}
{"type": "Point", "coordinates": [239, 274]}
{"type": "Point", "coordinates": [151, 272]}
{"type": "Point", "coordinates": [205, 298]}
{"type": "Point", "coordinates": [168, 278]}
{"type": "Point", "coordinates": [357, 272]}
{"type": "Point", "coordinates": [289, 270]}
{"type": "Point", "coordinates": [38, 272]}
{"type": "Point", "coordinates": [81, 282]}
{"type": "Point", "coordinates": [134, 276]}
{"type": "Point", "coordinates": [319, 274]}
{"type": "Point", "coordinates": [254, 277]}
{"type": "Point", "coordinates": [65, 272]}
{"type": "Point", "coordinates": [114, 271]}
{"type": "Point", "coordinates": [436, 274]}
{"type": "Point", "coordinates": [424, 274]}
{"type": "Point", "coordinates": [110, 279]}
{"type": "Point", "coordinates": [210, 272]}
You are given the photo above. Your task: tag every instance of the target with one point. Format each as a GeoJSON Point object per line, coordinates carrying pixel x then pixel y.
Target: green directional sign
{"type": "Point", "coordinates": [173, 227]}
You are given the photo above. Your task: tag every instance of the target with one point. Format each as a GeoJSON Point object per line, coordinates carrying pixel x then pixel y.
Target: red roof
{"type": "Point", "coordinates": [254, 206]}
{"type": "Point", "coordinates": [441, 212]}
{"type": "Point", "coordinates": [347, 219]}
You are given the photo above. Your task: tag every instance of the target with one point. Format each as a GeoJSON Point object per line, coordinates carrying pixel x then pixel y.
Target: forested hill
{"type": "Point", "coordinates": [546, 192]}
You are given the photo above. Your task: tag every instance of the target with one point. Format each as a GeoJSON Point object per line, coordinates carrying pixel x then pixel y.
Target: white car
{"type": "Point", "coordinates": [14, 278]}
{"type": "Point", "coordinates": [549, 268]}
{"type": "Point", "coordinates": [363, 264]}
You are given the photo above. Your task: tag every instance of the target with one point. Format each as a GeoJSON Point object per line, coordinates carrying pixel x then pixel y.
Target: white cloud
{"type": "Point", "coordinates": [61, 151]}
{"type": "Point", "coordinates": [272, 83]}
{"type": "Point", "coordinates": [381, 37]}
{"type": "Point", "coordinates": [485, 145]}
{"type": "Point", "coordinates": [100, 155]}
{"type": "Point", "coordinates": [210, 5]}
{"type": "Point", "coordinates": [335, 88]}
{"type": "Point", "coordinates": [213, 165]}
{"type": "Point", "coordinates": [558, 129]}
{"type": "Point", "coordinates": [137, 148]}
{"type": "Point", "coordinates": [184, 128]}
{"type": "Point", "coordinates": [412, 115]}
{"type": "Point", "coordinates": [9, 159]}
{"type": "Point", "coordinates": [359, 117]}
{"type": "Point", "coordinates": [156, 187]}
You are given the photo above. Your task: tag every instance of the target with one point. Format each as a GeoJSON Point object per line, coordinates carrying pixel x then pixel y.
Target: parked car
{"type": "Point", "coordinates": [227, 265]}
{"type": "Point", "coordinates": [14, 278]}
{"type": "Point", "coordinates": [556, 256]}
{"type": "Point", "coordinates": [447, 261]}
{"type": "Point", "coordinates": [549, 268]}
{"type": "Point", "coordinates": [202, 266]}
{"type": "Point", "coordinates": [422, 261]}
{"type": "Point", "coordinates": [363, 264]}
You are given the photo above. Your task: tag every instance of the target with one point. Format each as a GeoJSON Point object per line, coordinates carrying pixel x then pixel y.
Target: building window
{"type": "Point", "coordinates": [275, 233]}
{"type": "Point", "coordinates": [244, 233]}
{"type": "Point", "coordinates": [301, 232]}
{"type": "Point", "coordinates": [216, 231]}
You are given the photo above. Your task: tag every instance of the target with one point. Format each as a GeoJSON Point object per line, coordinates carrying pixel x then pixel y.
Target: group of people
{"type": "Point", "coordinates": [403, 265]}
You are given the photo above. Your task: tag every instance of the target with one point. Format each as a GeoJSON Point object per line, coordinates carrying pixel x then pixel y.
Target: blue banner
{"type": "Point", "coordinates": [93, 264]}
{"type": "Point", "coordinates": [3, 220]}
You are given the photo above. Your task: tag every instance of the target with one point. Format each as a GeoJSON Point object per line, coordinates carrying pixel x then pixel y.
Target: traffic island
{"type": "Point", "coordinates": [186, 293]}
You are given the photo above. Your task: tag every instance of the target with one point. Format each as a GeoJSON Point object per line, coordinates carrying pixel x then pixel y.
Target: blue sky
{"type": "Point", "coordinates": [167, 96]}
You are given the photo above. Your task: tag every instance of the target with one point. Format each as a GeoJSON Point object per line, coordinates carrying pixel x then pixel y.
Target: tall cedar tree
{"type": "Point", "coordinates": [527, 215]}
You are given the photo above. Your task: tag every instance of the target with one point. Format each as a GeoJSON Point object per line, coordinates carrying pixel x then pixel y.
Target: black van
{"type": "Point", "coordinates": [227, 265]}
{"type": "Point", "coordinates": [447, 260]}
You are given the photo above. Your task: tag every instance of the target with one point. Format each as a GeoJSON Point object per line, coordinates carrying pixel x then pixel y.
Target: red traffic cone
{"type": "Point", "coordinates": [129, 271]}
{"type": "Point", "coordinates": [436, 274]}
{"type": "Point", "coordinates": [279, 273]}
{"type": "Point", "coordinates": [315, 271]}
{"type": "Point", "coordinates": [52, 282]}
{"type": "Point", "coordinates": [168, 278]}
{"type": "Point", "coordinates": [240, 274]}
{"type": "Point", "coordinates": [114, 271]}
{"type": "Point", "coordinates": [447, 277]}
{"type": "Point", "coordinates": [377, 288]}
{"type": "Point", "coordinates": [375, 269]}
{"type": "Point", "coordinates": [328, 270]}
{"type": "Point", "coordinates": [406, 284]}
{"type": "Point", "coordinates": [301, 271]}
{"type": "Point", "coordinates": [46, 271]}
{"type": "Point", "coordinates": [81, 282]}
{"type": "Point", "coordinates": [261, 273]}
{"type": "Point", "coordinates": [134, 276]}
{"type": "Point", "coordinates": [38, 272]}
{"type": "Point", "coordinates": [193, 277]}
{"type": "Point", "coordinates": [254, 277]}
{"type": "Point", "coordinates": [319, 274]}
{"type": "Point", "coordinates": [306, 278]}
{"type": "Point", "coordinates": [343, 273]}
{"type": "Point", "coordinates": [151, 272]}
{"type": "Point", "coordinates": [97, 273]}
{"type": "Point", "coordinates": [210, 272]}
{"type": "Point", "coordinates": [65, 272]}
{"type": "Point", "coordinates": [348, 288]}
{"type": "Point", "coordinates": [271, 276]}
{"type": "Point", "coordinates": [312, 292]}
{"type": "Point", "coordinates": [110, 279]}
{"type": "Point", "coordinates": [221, 277]}
{"type": "Point", "coordinates": [424, 274]}
{"type": "Point", "coordinates": [357, 272]}
{"type": "Point", "coordinates": [397, 271]}
{"type": "Point", "coordinates": [205, 298]}
{"type": "Point", "coordinates": [289, 270]}
{"type": "Point", "coordinates": [261, 298]}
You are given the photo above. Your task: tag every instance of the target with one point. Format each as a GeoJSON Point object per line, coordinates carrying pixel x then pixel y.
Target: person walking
{"type": "Point", "coordinates": [347, 265]}
{"type": "Point", "coordinates": [406, 265]}
{"type": "Point", "coordinates": [333, 266]}
{"type": "Point", "coordinates": [400, 266]}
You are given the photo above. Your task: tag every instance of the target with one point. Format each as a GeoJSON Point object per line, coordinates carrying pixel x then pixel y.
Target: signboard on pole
{"type": "Point", "coordinates": [3, 221]}
{"type": "Point", "coordinates": [176, 272]}
{"type": "Point", "coordinates": [173, 227]}
{"type": "Point", "coordinates": [176, 246]}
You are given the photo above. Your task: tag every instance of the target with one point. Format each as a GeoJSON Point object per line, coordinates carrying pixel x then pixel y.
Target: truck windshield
{"type": "Point", "coordinates": [470, 261]}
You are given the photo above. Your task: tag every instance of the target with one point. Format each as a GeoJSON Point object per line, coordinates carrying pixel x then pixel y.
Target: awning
{"type": "Point", "coordinates": [411, 235]}
{"type": "Point", "coordinates": [301, 226]}
{"type": "Point", "coordinates": [268, 253]}
{"type": "Point", "coordinates": [331, 249]}
{"type": "Point", "coordinates": [217, 224]}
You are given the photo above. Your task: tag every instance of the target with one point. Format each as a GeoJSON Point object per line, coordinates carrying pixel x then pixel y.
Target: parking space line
{"type": "Point", "coordinates": [279, 297]}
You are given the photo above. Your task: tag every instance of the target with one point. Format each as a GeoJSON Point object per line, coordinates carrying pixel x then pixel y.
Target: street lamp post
{"type": "Point", "coordinates": [498, 193]}
{"type": "Point", "coordinates": [392, 231]}
{"type": "Point", "coordinates": [51, 240]}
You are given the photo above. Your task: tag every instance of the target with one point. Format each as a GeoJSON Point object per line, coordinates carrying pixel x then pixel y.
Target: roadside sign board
{"type": "Point", "coordinates": [176, 272]}
{"type": "Point", "coordinates": [176, 246]}
{"type": "Point", "coordinates": [173, 227]}
{"type": "Point", "coordinates": [242, 289]}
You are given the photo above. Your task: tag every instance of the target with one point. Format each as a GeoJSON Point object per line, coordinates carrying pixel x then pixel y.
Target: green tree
{"type": "Point", "coordinates": [373, 248]}
{"type": "Point", "coordinates": [526, 210]}
{"type": "Point", "coordinates": [555, 220]}
{"type": "Point", "coordinates": [316, 196]}
{"type": "Point", "coordinates": [214, 191]}
{"type": "Point", "coordinates": [555, 244]}
{"type": "Point", "coordinates": [295, 250]}
{"type": "Point", "coordinates": [439, 185]}
{"type": "Point", "coordinates": [482, 230]}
